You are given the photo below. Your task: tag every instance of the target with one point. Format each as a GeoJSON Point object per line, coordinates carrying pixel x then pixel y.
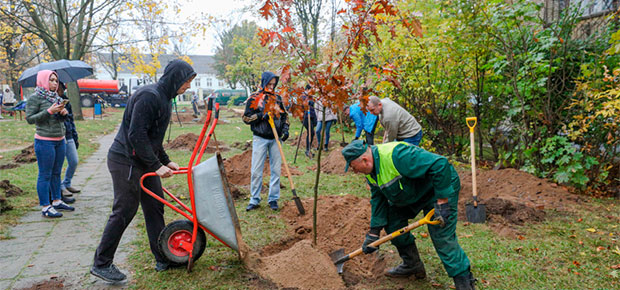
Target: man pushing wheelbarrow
{"type": "Point", "coordinates": [405, 179]}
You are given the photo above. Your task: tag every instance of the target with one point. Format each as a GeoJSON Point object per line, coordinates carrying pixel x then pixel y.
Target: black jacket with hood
{"type": "Point", "coordinates": [257, 119]}
{"type": "Point", "coordinates": [139, 140]}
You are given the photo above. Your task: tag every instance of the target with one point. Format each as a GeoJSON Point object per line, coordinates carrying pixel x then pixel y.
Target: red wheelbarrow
{"type": "Point", "coordinates": [211, 209]}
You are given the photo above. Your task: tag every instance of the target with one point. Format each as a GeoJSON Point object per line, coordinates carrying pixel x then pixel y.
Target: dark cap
{"type": "Point", "coordinates": [353, 151]}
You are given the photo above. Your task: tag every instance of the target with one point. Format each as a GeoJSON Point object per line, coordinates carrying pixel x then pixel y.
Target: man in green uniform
{"type": "Point", "coordinates": [405, 179]}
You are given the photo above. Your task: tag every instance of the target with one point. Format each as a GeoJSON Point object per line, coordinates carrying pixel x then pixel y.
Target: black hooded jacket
{"type": "Point", "coordinates": [139, 140]}
{"type": "Point", "coordinates": [257, 119]}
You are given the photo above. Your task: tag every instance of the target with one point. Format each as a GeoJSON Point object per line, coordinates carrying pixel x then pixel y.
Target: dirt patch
{"type": "Point", "coordinates": [239, 167]}
{"type": "Point", "coordinates": [242, 145]}
{"type": "Point", "coordinates": [314, 271]}
{"type": "Point", "coordinates": [87, 113]}
{"type": "Point", "coordinates": [52, 283]}
{"type": "Point", "coordinates": [10, 189]}
{"type": "Point", "coordinates": [513, 197]}
{"type": "Point", "coordinates": [9, 166]}
{"type": "Point", "coordinates": [27, 155]}
{"type": "Point", "coordinates": [334, 163]}
{"type": "Point", "coordinates": [188, 142]}
{"type": "Point", "coordinates": [4, 204]}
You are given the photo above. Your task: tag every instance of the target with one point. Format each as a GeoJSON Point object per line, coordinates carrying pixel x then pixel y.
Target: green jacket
{"type": "Point", "coordinates": [405, 174]}
{"type": "Point", "coordinates": [47, 125]}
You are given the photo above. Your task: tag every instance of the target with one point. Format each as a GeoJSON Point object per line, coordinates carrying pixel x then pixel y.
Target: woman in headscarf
{"type": "Point", "coordinates": [47, 111]}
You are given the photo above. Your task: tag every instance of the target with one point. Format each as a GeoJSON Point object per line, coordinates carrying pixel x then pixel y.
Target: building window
{"type": "Point", "coordinates": [197, 82]}
{"type": "Point", "coordinates": [209, 83]}
{"type": "Point", "coordinates": [220, 83]}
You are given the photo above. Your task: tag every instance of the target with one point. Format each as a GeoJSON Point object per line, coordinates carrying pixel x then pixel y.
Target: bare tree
{"type": "Point", "coordinates": [67, 27]}
{"type": "Point", "coordinates": [309, 14]}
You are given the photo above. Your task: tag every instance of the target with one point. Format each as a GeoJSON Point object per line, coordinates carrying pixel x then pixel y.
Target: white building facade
{"type": "Point", "coordinates": [206, 80]}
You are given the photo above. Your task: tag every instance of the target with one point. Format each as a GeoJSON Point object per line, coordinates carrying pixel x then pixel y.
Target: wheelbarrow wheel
{"type": "Point", "coordinates": [171, 237]}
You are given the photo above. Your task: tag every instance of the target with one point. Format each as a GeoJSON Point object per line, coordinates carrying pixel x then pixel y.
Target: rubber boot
{"type": "Point", "coordinates": [412, 264]}
{"type": "Point", "coordinates": [464, 281]}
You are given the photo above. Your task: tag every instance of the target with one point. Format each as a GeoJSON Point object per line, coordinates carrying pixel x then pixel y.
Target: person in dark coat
{"type": "Point", "coordinates": [138, 149]}
{"type": "Point", "coordinates": [71, 146]}
{"type": "Point", "coordinates": [264, 142]}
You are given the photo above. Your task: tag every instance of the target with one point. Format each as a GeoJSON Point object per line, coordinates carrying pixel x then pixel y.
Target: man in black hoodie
{"type": "Point", "coordinates": [263, 141]}
{"type": "Point", "coordinates": [138, 149]}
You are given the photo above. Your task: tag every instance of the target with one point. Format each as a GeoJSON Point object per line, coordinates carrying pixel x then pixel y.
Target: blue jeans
{"type": "Point", "coordinates": [262, 147]}
{"type": "Point", "coordinates": [415, 140]}
{"type": "Point", "coordinates": [319, 126]}
{"type": "Point", "coordinates": [50, 156]}
{"type": "Point", "coordinates": [72, 162]}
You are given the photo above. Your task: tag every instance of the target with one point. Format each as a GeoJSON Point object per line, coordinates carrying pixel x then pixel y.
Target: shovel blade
{"type": "Point", "coordinates": [336, 256]}
{"type": "Point", "coordinates": [476, 214]}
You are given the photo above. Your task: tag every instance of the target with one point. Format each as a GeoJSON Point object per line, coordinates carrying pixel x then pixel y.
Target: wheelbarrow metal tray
{"type": "Point", "coordinates": [215, 209]}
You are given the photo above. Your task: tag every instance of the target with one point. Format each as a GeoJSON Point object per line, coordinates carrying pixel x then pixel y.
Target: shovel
{"type": "Point", "coordinates": [476, 212]}
{"type": "Point", "coordinates": [339, 258]}
{"type": "Point", "coordinates": [300, 206]}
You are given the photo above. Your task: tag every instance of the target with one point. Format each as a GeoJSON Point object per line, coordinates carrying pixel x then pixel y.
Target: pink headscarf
{"type": "Point", "coordinates": [43, 78]}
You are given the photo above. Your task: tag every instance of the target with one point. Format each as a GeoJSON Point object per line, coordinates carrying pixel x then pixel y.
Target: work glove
{"type": "Point", "coordinates": [442, 213]}
{"type": "Point", "coordinates": [284, 136]}
{"type": "Point", "coordinates": [367, 241]}
{"type": "Point", "coordinates": [77, 144]}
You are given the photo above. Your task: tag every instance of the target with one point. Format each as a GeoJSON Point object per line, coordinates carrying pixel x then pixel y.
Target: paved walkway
{"type": "Point", "coordinates": [43, 249]}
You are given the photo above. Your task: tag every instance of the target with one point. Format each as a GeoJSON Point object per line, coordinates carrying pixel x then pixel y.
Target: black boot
{"type": "Point", "coordinates": [464, 281]}
{"type": "Point", "coordinates": [412, 265]}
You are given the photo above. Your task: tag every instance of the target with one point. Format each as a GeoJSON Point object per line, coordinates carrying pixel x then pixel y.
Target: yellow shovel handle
{"type": "Point", "coordinates": [471, 127]}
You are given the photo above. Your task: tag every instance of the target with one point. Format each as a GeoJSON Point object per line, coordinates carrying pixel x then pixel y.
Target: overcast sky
{"type": "Point", "coordinates": [227, 12]}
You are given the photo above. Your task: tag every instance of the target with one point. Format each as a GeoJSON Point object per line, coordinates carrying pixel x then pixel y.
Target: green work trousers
{"type": "Point", "coordinates": [444, 239]}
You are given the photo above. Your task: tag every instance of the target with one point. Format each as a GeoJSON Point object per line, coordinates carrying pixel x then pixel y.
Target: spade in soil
{"type": "Point", "coordinates": [339, 258]}
{"type": "Point", "coordinates": [476, 212]}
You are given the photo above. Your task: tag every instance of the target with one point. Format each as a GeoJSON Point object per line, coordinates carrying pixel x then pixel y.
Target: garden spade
{"type": "Point", "coordinates": [476, 212]}
{"type": "Point", "coordinates": [339, 258]}
{"type": "Point", "coordinates": [300, 206]}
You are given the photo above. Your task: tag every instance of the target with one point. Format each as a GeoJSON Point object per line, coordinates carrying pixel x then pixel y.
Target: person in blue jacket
{"type": "Point", "coordinates": [364, 121]}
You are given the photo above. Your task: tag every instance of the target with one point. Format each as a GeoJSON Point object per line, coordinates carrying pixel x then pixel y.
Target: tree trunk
{"type": "Point", "coordinates": [74, 97]}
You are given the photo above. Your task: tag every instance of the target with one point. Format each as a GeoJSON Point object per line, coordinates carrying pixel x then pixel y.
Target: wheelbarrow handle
{"type": "Point", "coordinates": [425, 220]}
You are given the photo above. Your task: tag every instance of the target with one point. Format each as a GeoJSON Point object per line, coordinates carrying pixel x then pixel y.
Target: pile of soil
{"type": "Point", "coordinates": [184, 117]}
{"type": "Point", "coordinates": [242, 145]}
{"type": "Point", "coordinates": [27, 155]}
{"type": "Point", "coordinates": [295, 138]}
{"type": "Point", "coordinates": [342, 223]}
{"type": "Point", "coordinates": [10, 189]}
{"type": "Point", "coordinates": [239, 167]}
{"type": "Point", "coordinates": [334, 163]}
{"type": "Point", "coordinates": [314, 271]}
{"type": "Point", "coordinates": [9, 166]}
{"type": "Point", "coordinates": [513, 197]}
{"type": "Point", "coordinates": [188, 142]}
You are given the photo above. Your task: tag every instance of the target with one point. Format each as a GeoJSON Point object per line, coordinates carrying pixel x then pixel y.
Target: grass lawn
{"type": "Point", "coordinates": [19, 134]}
{"type": "Point", "coordinates": [574, 251]}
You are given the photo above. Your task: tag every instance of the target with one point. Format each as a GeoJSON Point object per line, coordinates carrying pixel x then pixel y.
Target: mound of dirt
{"type": "Point", "coordinates": [314, 271]}
{"type": "Point", "coordinates": [334, 163]}
{"type": "Point", "coordinates": [4, 204]}
{"type": "Point", "coordinates": [239, 168]}
{"type": "Point", "coordinates": [188, 141]}
{"type": "Point", "coordinates": [342, 223]}
{"type": "Point", "coordinates": [513, 197]}
{"type": "Point", "coordinates": [27, 155]}
{"type": "Point", "coordinates": [184, 117]}
{"type": "Point", "coordinates": [9, 166]}
{"type": "Point", "coordinates": [10, 189]}
{"type": "Point", "coordinates": [242, 145]}
{"type": "Point", "coordinates": [295, 139]}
